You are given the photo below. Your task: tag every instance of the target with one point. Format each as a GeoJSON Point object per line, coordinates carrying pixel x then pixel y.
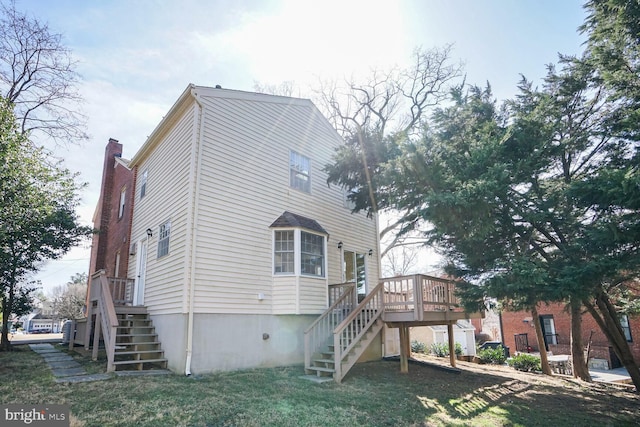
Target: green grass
{"type": "Point", "coordinates": [373, 394]}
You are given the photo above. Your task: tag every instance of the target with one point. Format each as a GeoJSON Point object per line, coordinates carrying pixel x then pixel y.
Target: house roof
{"type": "Point", "coordinates": [289, 219]}
{"type": "Point", "coordinates": [460, 324]}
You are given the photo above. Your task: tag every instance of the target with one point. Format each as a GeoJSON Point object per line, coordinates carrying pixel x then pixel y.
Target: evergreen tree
{"type": "Point", "coordinates": [37, 217]}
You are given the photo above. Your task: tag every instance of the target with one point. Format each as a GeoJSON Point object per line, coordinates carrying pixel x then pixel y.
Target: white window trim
{"type": "Point", "coordinates": [297, 254]}
{"type": "Point", "coordinates": [144, 177]}
{"type": "Point", "coordinates": [273, 254]}
{"type": "Point", "coordinates": [308, 174]}
{"type": "Point", "coordinates": [160, 239]}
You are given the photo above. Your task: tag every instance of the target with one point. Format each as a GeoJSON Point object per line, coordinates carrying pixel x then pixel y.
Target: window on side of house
{"type": "Point", "coordinates": [346, 202]}
{"type": "Point", "coordinates": [284, 252]}
{"type": "Point", "coordinates": [123, 197]}
{"type": "Point", "coordinates": [299, 172]}
{"type": "Point", "coordinates": [143, 183]}
{"type": "Point", "coordinates": [626, 328]}
{"type": "Point", "coordinates": [163, 239]}
{"type": "Point", "coordinates": [311, 254]}
{"type": "Point", "coordinates": [116, 272]}
{"type": "Point", "coordinates": [298, 252]}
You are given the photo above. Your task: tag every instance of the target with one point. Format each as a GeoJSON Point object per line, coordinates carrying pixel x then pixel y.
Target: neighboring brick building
{"type": "Point", "coordinates": [113, 215]}
{"type": "Point", "coordinates": [519, 333]}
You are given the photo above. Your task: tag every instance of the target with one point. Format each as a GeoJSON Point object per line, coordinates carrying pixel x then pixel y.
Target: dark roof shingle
{"type": "Point", "coordinates": [288, 219]}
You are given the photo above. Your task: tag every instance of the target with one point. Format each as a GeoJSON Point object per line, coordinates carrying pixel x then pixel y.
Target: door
{"type": "Point", "coordinates": [354, 271]}
{"type": "Point", "coordinates": [141, 272]}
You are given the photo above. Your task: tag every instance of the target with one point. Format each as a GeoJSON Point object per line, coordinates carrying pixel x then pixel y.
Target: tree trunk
{"type": "Point", "coordinates": [580, 368]}
{"type": "Point", "coordinates": [6, 312]}
{"type": "Point", "coordinates": [607, 318]}
{"type": "Point", "coordinates": [544, 362]}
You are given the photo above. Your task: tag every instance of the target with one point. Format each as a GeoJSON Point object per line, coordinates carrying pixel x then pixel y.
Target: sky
{"type": "Point", "coordinates": [137, 56]}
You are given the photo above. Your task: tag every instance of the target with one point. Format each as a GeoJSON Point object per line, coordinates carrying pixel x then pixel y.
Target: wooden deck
{"type": "Point", "coordinates": [336, 339]}
{"type": "Point", "coordinates": [422, 300]}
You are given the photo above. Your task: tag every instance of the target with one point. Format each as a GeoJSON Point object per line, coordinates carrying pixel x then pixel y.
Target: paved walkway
{"type": "Point", "coordinates": [64, 368]}
{"type": "Point", "coordinates": [618, 375]}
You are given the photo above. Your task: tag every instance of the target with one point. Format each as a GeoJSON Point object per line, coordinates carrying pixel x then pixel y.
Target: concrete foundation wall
{"type": "Point", "coordinates": [172, 333]}
{"type": "Point", "coordinates": [223, 342]}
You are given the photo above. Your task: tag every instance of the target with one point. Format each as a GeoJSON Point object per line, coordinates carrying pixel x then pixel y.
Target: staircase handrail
{"type": "Point", "coordinates": [320, 330]}
{"type": "Point", "coordinates": [108, 318]}
{"type": "Point", "coordinates": [347, 334]}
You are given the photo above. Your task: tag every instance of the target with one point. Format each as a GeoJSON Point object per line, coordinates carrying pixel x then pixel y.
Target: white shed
{"type": "Point", "coordinates": [463, 333]}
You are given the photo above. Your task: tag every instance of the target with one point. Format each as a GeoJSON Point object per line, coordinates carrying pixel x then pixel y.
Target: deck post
{"type": "Point", "coordinates": [405, 348]}
{"type": "Point", "coordinates": [452, 346]}
{"type": "Point", "coordinates": [96, 336]}
{"type": "Point", "coordinates": [72, 334]}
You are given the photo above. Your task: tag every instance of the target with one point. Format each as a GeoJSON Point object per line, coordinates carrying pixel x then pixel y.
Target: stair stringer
{"type": "Point", "coordinates": [359, 348]}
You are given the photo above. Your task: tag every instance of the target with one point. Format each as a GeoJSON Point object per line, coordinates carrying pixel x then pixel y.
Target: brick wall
{"type": "Point", "coordinates": [113, 230]}
{"type": "Point", "coordinates": [521, 323]}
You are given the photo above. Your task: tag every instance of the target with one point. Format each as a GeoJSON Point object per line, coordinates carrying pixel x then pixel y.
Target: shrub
{"type": "Point", "coordinates": [458, 349]}
{"type": "Point", "coordinates": [525, 362]}
{"type": "Point", "coordinates": [440, 349]}
{"type": "Point", "coordinates": [418, 347]}
{"type": "Point", "coordinates": [493, 356]}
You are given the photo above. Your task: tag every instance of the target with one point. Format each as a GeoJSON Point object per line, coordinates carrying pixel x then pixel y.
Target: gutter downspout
{"type": "Point", "coordinates": [194, 234]}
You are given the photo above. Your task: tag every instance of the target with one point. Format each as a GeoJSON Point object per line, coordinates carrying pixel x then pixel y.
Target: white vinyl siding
{"type": "Point", "coordinates": [235, 247]}
{"type": "Point", "coordinates": [242, 185]}
{"type": "Point", "coordinates": [170, 198]}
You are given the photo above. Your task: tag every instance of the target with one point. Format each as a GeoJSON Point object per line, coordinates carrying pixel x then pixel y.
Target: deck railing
{"type": "Point", "coordinates": [347, 334]}
{"type": "Point", "coordinates": [121, 290]}
{"type": "Point", "coordinates": [336, 291]}
{"type": "Point", "coordinates": [319, 334]}
{"type": "Point", "coordinates": [419, 293]}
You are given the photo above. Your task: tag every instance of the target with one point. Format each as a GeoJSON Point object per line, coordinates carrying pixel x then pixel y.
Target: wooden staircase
{"type": "Point", "coordinates": [324, 362]}
{"type": "Point", "coordinates": [136, 344]}
{"type": "Point", "coordinates": [128, 334]}
{"type": "Point", "coordinates": [337, 339]}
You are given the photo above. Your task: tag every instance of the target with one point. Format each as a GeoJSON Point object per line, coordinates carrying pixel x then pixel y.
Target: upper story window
{"type": "Point", "coordinates": [163, 239]}
{"type": "Point", "coordinates": [299, 172]}
{"type": "Point", "coordinates": [346, 201]}
{"type": "Point", "coordinates": [123, 197]}
{"type": "Point", "coordinates": [143, 183]}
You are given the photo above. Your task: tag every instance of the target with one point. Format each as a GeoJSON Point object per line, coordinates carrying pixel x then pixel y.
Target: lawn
{"type": "Point", "coordinates": [373, 394]}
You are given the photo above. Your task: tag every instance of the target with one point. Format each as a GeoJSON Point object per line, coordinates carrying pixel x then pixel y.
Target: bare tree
{"type": "Point", "coordinates": [400, 260]}
{"type": "Point", "coordinates": [38, 77]}
{"type": "Point", "coordinates": [398, 97]}
{"type": "Point", "coordinates": [68, 300]}
{"type": "Point", "coordinates": [389, 102]}
{"type": "Point", "coordinates": [285, 88]}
